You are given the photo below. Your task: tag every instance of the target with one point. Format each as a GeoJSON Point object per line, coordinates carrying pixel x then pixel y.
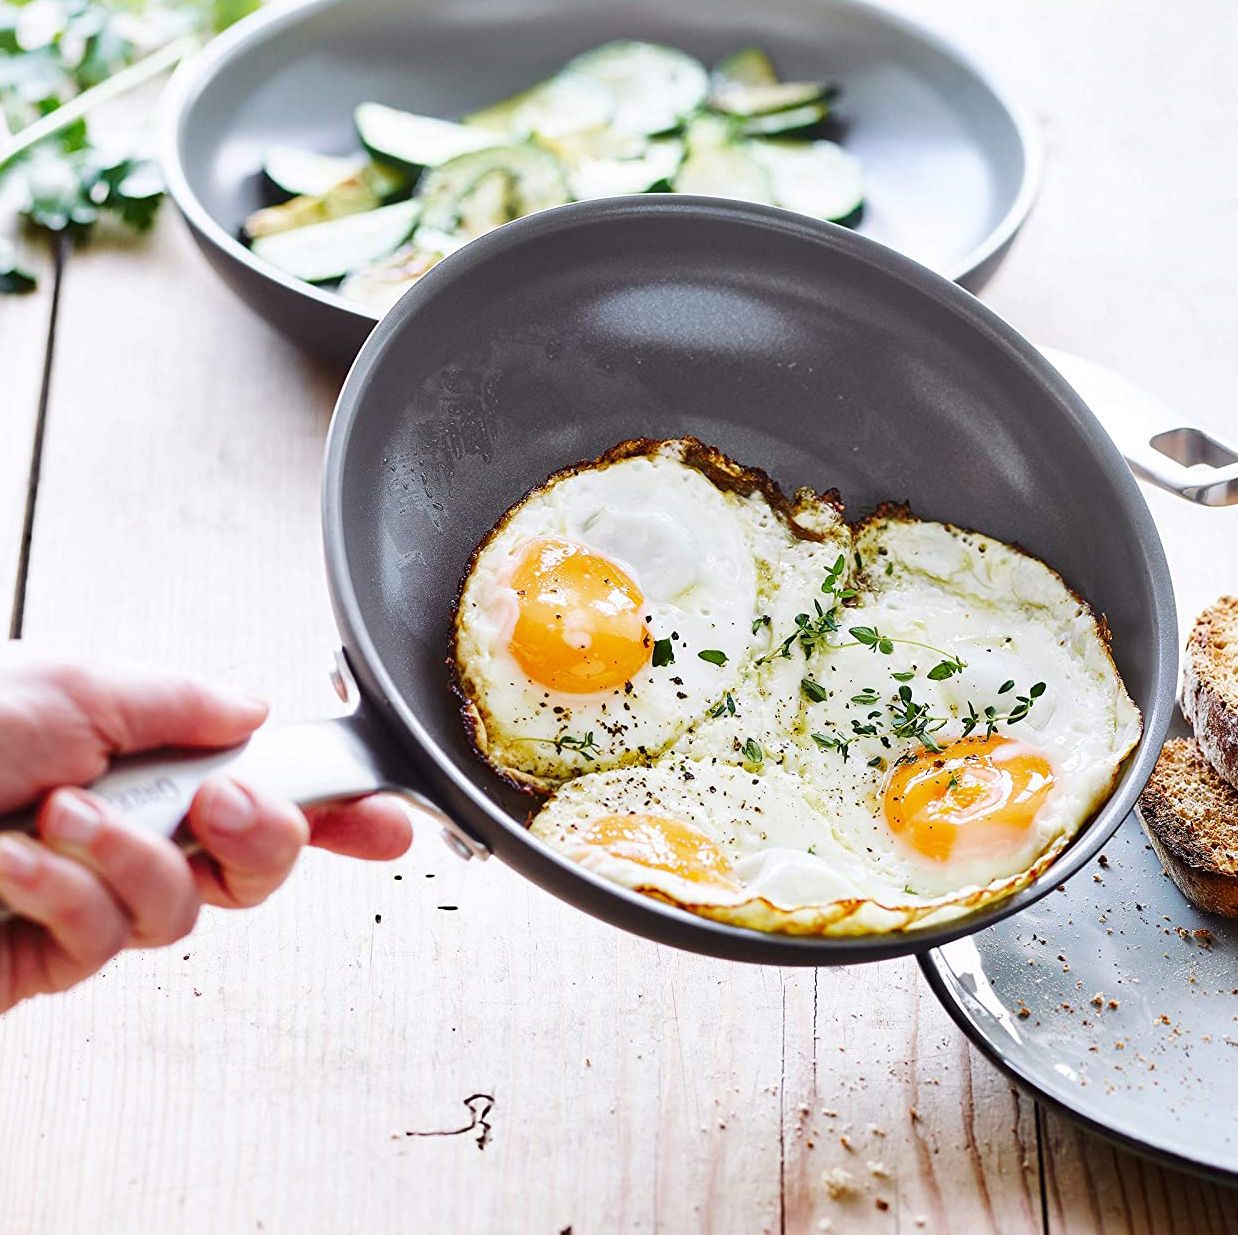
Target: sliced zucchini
{"type": "Point", "coordinates": [604, 143]}
{"type": "Point", "coordinates": [589, 177]}
{"type": "Point", "coordinates": [816, 178]}
{"type": "Point", "coordinates": [790, 121]}
{"type": "Point", "coordinates": [719, 165]}
{"type": "Point", "coordinates": [413, 141]}
{"type": "Point", "coordinates": [655, 87]}
{"type": "Point", "coordinates": [761, 100]}
{"type": "Point", "coordinates": [328, 250]}
{"type": "Point", "coordinates": [364, 190]}
{"type": "Point", "coordinates": [479, 191]}
{"type": "Point", "coordinates": [565, 104]}
{"type": "Point", "coordinates": [303, 173]}
{"type": "Point", "coordinates": [748, 67]}
{"type": "Point", "coordinates": [380, 285]}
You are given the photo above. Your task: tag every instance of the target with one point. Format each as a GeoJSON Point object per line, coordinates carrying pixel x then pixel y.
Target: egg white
{"type": "Point", "coordinates": [702, 556]}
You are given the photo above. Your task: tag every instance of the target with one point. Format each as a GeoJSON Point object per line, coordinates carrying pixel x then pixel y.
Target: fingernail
{"type": "Point", "coordinates": [72, 819]}
{"type": "Point", "coordinates": [229, 807]}
{"type": "Point", "coordinates": [19, 859]}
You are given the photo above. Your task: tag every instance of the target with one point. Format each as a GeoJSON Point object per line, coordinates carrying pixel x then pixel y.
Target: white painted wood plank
{"type": "Point", "coordinates": [273, 1076]}
{"type": "Point", "coordinates": [882, 1088]}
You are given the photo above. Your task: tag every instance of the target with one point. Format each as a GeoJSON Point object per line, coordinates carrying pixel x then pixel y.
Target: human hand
{"type": "Point", "coordinates": [88, 886]}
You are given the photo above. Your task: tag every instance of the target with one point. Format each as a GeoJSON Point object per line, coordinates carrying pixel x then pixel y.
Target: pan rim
{"type": "Point", "coordinates": [650, 916]}
{"type": "Point", "coordinates": [194, 76]}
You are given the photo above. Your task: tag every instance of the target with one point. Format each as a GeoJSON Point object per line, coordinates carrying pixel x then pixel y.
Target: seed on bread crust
{"type": "Point", "coordinates": [1191, 817]}
{"type": "Point", "coordinates": [1210, 685]}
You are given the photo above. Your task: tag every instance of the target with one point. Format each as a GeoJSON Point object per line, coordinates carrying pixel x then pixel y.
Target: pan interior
{"type": "Point", "coordinates": [944, 158]}
{"type": "Point", "coordinates": [793, 347]}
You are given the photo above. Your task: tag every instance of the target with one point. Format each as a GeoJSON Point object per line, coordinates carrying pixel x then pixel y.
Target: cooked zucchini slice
{"type": "Point", "coordinates": [749, 67]}
{"type": "Point", "coordinates": [565, 104]}
{"type": "Point", "coordinates": [328, 250]}
{"type": "Point", "coordinates": [816, 178]}
{"type": "Point", "coordinates": [476, 192]}
{"type": "Point", "coordinates": [364, 190]}
{"type": "Point", "coordinates": [761, 100]}
{"type": "Point", "coordinates": [655, 87]}
{"type": "Point", "coordinates": [793, 120]}
{"type": "Point", "coordinates": [719, 165]}
{"type": "Point", "coordinates": [303, 173]}
{"type": "Point", "coordinates": [413, 141]}
{"type": "Point", "coordinates": [380, 285]}
{"type": "Point", "coordinates": [589, 177]}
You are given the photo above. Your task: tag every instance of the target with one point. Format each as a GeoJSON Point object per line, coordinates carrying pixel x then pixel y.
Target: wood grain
{"type": "Point", "coordinates": [453, 1050]}
{"type": "Point", "coordinates": [880, 1087]}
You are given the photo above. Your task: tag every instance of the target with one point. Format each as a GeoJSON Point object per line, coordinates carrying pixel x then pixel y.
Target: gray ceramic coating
{"type": "Point", "coordinates": [795, 346]}
{"type": "Point", "coordinates": [951, 165]}
{"type": "Point", "coordinates": [1154, 1069]}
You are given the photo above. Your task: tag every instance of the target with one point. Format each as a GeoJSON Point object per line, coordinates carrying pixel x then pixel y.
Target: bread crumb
{"type": "Point", "coordinates": [838, 1182]}
{"type": "Point", "coordinates": [845, 1142]}
{"type": "Point", "coordinates": [1098, 1000]}
{"type": "Point", "coordinates": [1112, 1003]}
{"type": "Point", "coordinates": [877, 1169]}
{"type": "Point", "coordinates": [882, 1204]}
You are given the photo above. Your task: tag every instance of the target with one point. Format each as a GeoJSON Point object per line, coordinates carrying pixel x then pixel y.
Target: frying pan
{"type": "Point", "coordinates": [792, 345]}
{"type": "Point", "coordinates": [950, 163]}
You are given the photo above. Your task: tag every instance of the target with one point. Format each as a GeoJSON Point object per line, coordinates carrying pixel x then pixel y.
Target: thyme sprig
{"type": "Point", "coordinates": [585, 746]}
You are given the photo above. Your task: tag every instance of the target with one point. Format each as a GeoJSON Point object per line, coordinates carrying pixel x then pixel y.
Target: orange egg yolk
{"type": "Point", "coordinates": [580, 624]}
{"type": "Point", "coordinates": [664, 845]}
{"type": "Point", "coordinates": [978, 796]}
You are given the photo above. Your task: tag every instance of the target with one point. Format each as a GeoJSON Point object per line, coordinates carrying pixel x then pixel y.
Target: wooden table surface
{"type": "Point", "coordinates": [485, 1059]}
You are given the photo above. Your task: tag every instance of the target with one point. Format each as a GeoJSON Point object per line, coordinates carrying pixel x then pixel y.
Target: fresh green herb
{"type": "Point", "coordinates": [889, 568]}
{"type": "Point", "coordinates": [870, 637]}
{"type": "Point", "coordinates": [758, 622]}
{"type": "Point", "coordinates": [831, 741]}
{"type": "Point", "coordinates": [866, 697]}
{"type": "Point", "coordinates": [752, 752]}
{"type": "Point", "coordinates": [813, 850]}
{"type": "Point", "coordinates": [910, 719]}
{"type": "Point", "coordinates": [905, 676]}
{"type": "Point", "coordinates": [910, 890]}
{"type": "Point", "coordinates": [713, 656]}
{"type": "Point", "coordinates": [1005, 686]}
{"type": "Point", "coordinates": [663, 653]}
{"type": "Point", "coordinates": [63, 182]}
{"type": "Point", "coordinates": [586, 747]}
{"type": "Point", "coordinates": [876, 762]}
{"type": "Point", "coordinates": [814, 692]}
{"type": "Point", "coordinates": [14, 277]}
{"type": "Point", "coordinates": [991, 717]}
{"type": "Point", "coordinates": [725, 704]}
{"type": "Point", "coordinates": [953, 782]}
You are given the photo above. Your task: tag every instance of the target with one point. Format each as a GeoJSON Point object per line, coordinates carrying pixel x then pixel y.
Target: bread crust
{"type": "Point", "coordinates": [1210, 685]}
{"type": "Point", "coordinates": [1190, 815]}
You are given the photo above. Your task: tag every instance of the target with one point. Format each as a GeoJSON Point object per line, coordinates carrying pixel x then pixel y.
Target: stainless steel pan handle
{"type": "Point", "coordinates": [1160, 449]}
{"type": "Point", "coordinates": [308, 763]}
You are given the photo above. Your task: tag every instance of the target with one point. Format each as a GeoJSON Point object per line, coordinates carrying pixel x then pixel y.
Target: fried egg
{"type": "Point", "coordinates": [612, 607]}
{"type": "Point", "coordinates": [912, 720]}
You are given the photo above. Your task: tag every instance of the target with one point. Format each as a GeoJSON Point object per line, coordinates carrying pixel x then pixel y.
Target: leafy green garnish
{"type": "Point", "coordinates": [814, 692]}
{"type": "Point", "coordinates": [713, 656]}
{"type": "Point", "coordinates": [724, 705]}
{"type": "Point", "coordinates": [752, 752]}
{"type": "Point", "coordinates": [663, 653]}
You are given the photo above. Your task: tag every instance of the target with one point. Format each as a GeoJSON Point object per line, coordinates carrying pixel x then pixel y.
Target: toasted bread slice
{"type": "Point", "coordinates": [1210, 685]}
{"type": "Point", "coordinates": [1191, 817]}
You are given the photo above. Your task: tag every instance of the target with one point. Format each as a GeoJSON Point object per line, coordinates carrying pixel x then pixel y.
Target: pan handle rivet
{"type": "Point", "coordinates": [456, 845]}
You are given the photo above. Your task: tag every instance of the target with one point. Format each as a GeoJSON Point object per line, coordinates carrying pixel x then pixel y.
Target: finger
{"type": "Point", "coordinates": [142, 709]}
{"type": "Point", "coordinates": [146, 874]}
{"type": "Point", "coordinates": [251, 841]}
{"type": "Point", "coordinates": [377, 828]}
{"type": "Point", "coordinates": [73, 924]}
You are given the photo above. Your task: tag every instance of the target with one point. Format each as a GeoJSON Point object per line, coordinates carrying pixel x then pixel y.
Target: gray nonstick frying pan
{"type": "Point", "coordinates": [795, 346]}
{"type": "Point", "coordinates": [949, 162]}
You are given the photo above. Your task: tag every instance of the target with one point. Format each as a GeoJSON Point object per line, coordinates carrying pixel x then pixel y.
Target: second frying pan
{"type": "Point", "coordinates": [795, 346]}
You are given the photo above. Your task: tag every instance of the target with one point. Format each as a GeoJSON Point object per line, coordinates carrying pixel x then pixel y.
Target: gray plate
{"type": "Point", "coordinates": [1127, 934]}
{"type": "Point", "coordinates": [951, 164]}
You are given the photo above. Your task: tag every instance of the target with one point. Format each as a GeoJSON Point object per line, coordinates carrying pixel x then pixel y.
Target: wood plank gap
{"type": "Point", "coordinates": [782, 1111]}
{"type": "Point", "coordinates": [17, 614]}
{"type": "Point", "coordinates": [1041, 1166]}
